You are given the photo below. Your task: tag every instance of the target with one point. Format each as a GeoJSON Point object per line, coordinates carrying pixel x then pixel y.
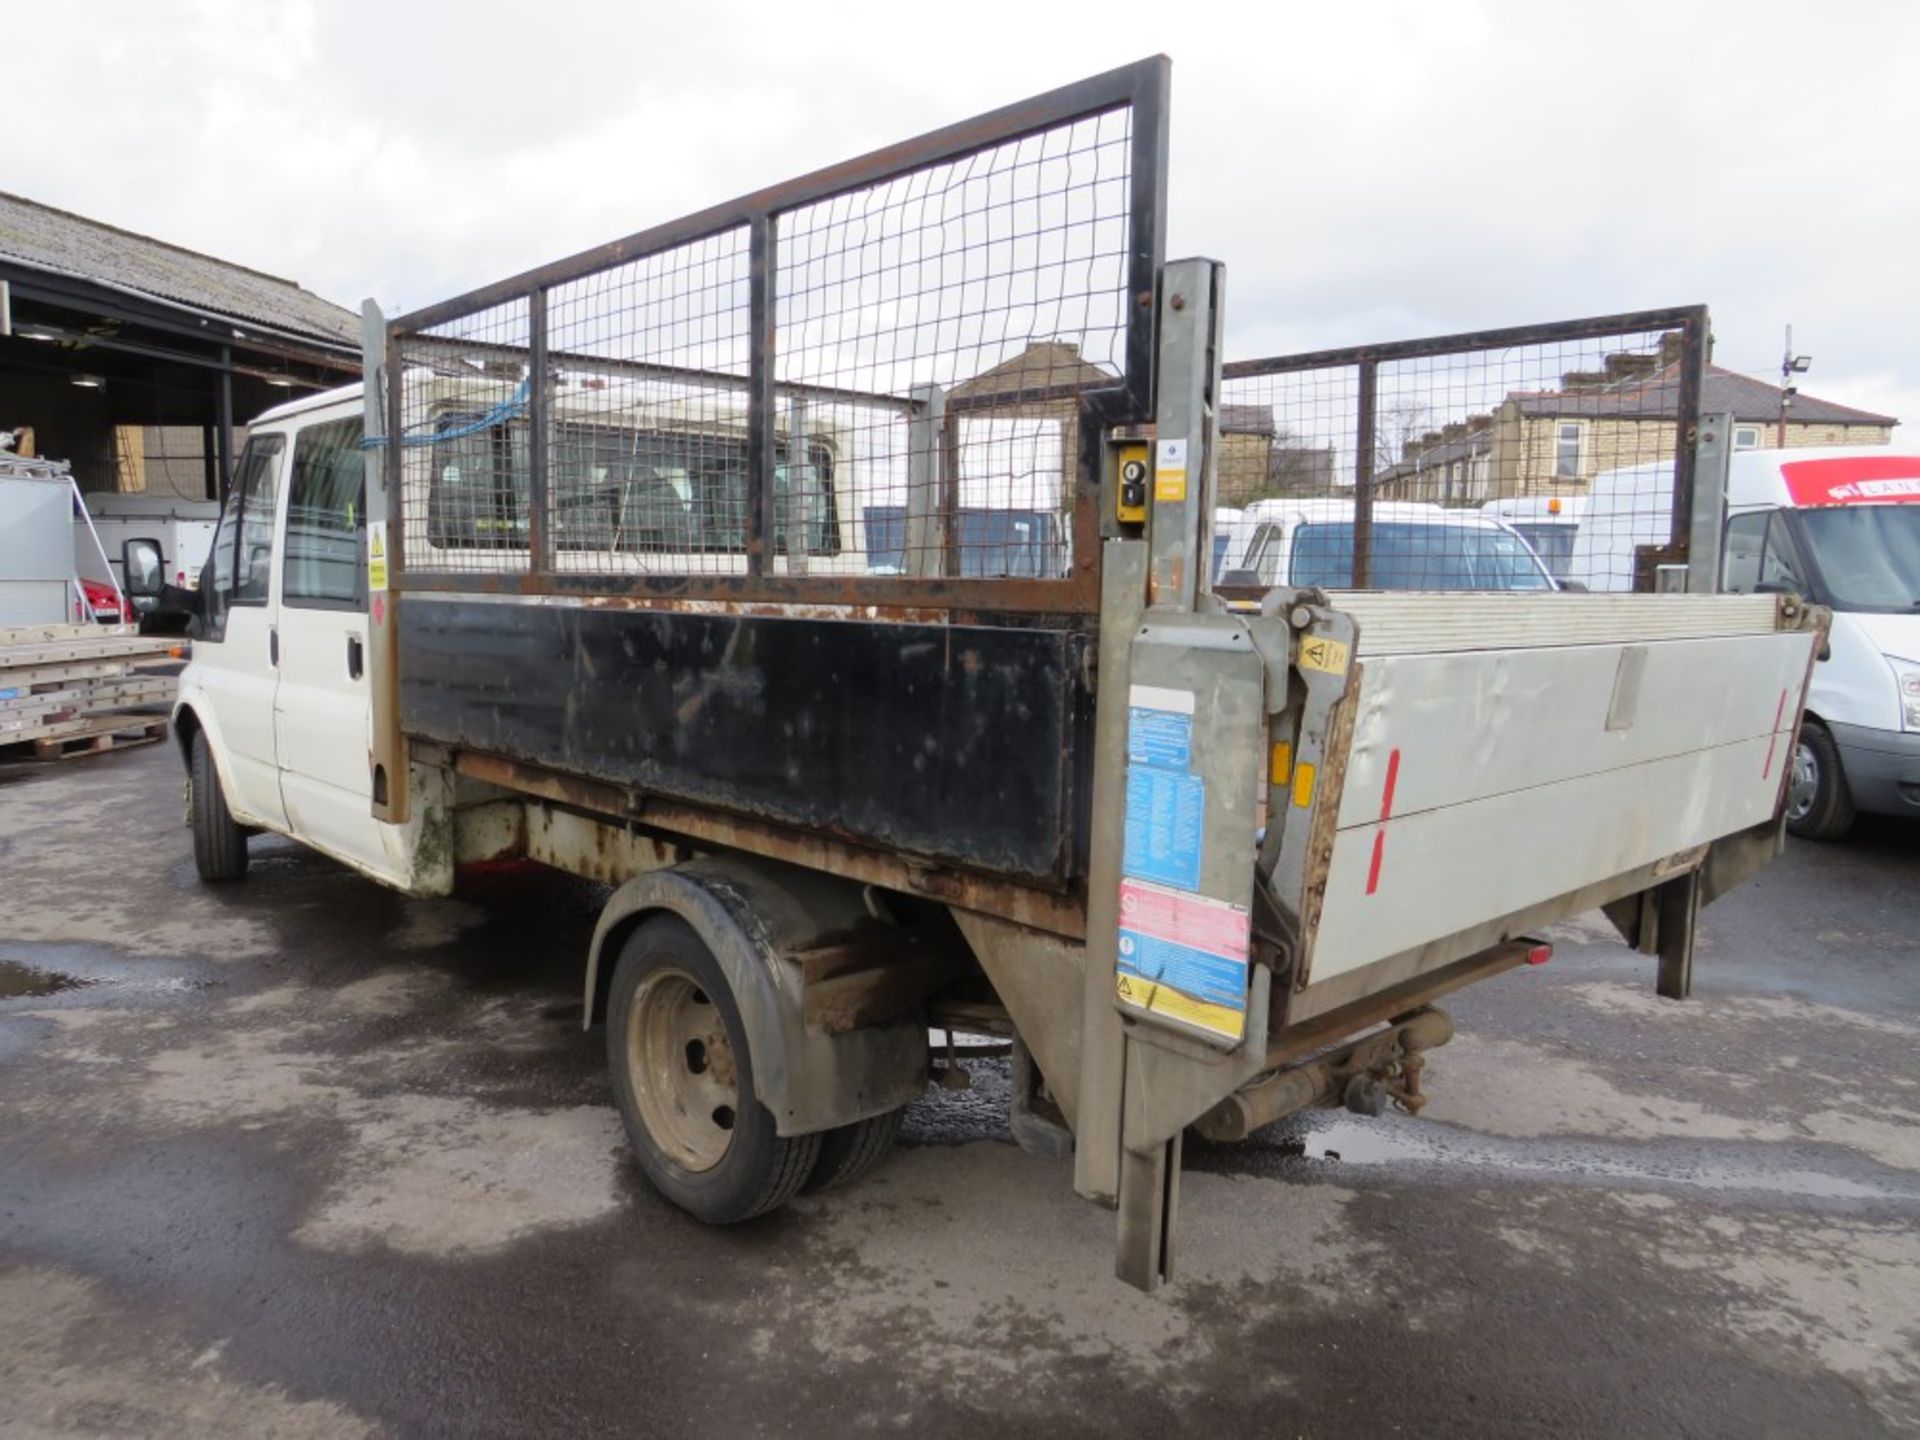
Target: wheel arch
{"type": "Point", "coordinates": [193, 717]}
{"type": "Point", "coordinates": [753, 915]}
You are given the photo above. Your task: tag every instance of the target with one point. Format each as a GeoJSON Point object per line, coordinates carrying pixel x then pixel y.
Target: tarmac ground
{"type": "Point", "coordinates": [302, 1157]}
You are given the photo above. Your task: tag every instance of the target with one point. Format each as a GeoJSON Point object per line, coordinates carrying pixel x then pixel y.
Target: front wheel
{"type": "Point", "coordinates": [683, 1078]}
{"type": "Point", "coordinates": [219, 842]}
{"type": "Point", "coordinates": [1818, 804]}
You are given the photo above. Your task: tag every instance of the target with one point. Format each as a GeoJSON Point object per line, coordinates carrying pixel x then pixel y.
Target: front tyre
{"type": "Point", "coordinates": [219, 843]}
{"type": "Point", "coordinates": [683, 1078]}
{"type": "Point", "coordinates": [1819, 806]}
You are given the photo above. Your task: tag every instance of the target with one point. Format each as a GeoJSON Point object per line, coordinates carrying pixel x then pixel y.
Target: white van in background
{"type": "Point", "coordinates": [1549, 523]}
{"type": "Point", "coordinates": [184, 529]}
{"type": "Point", "coordinates": [1841, 526]}
{"type": "Point", "coordinates": [1224, 520]}
{"type": "Point", "coordinates": [1624, 509]}
{"type": "Point", "coordinates": [1415, 547]}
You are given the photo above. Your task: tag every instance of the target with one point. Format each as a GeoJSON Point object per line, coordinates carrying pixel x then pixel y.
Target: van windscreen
{"type": "Point", "coordinates": [1868, 556]}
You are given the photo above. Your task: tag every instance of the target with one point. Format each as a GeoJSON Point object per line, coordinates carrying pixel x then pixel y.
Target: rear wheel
{"type": "Point", "coordinates": [1818, 804]}
{"type": "Point", "coordinates": [851, 1151]}
{"type": "Point", "coordinates": [219, 843]}
{"type": "Point", "coordinates": [683, 1078]}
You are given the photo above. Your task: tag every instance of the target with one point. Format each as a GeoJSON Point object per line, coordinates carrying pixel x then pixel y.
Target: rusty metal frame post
{"type": "Point", "coordinates": [762, 261]}
{"type": "Point", "coordinates": [384, 474]}
{"type": "Point", "coordinates": [539, 434]}
{"type": "Point", "coordinates": [1692, 378]}
{"type": "Point", "coordinates": [1365, 423]}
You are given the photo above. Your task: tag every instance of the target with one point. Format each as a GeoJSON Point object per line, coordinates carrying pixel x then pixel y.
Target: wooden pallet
{"type": "Point", "coordinates": [102, 733]}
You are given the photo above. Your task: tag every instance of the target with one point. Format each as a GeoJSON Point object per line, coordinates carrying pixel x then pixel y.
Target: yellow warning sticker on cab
{"type": "Point", "coordinates": [377, 555]}
{"type": "Point", "coordinates": [1323, 652]}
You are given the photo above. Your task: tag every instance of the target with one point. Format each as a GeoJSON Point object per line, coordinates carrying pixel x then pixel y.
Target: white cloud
{"type": "Point", "coordinates": [1365, 171]}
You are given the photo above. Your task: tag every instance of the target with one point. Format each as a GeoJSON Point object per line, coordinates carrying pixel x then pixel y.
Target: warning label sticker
{"type": "Point", "coordinates": [1170, 471]}
{"type": "Point", "coordinates": [1322, 652]}
{"type": "Point", "coordinates": [1184, 957]}
{"type": "Point", "coordinates": [377, 555]}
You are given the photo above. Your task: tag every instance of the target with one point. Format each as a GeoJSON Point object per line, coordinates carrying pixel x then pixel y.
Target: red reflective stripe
{"type": "Point", "coordinates": [1386, 813]}
{"type": "Point", "coordinates": [1773, 740]}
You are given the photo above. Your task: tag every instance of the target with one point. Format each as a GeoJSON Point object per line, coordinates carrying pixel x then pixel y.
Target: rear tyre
{"type": "Point", "coordinates": [219, 843]}
{"type": "Point", "coordinates": [849, 1152]}
{"type": "Point", "coordinates": [683, 1078]}
{"type": "Point", "coordinates": [1819, 806]}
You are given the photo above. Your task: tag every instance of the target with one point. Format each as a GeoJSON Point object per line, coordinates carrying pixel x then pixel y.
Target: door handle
{"type": "Point", "coordinates": [355, 657]}
{"type": "Point", "coordinates": [273, 645]}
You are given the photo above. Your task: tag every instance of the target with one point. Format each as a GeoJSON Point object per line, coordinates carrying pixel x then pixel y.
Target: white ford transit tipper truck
{"type": "Point", "coordinates": [579, 576]}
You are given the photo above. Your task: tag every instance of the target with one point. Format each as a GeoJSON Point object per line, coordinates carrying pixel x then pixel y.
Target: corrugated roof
{"type": "Point", "coordinates": [1657, 396]}
{"type": "Point", "coordinates": [60, 243]}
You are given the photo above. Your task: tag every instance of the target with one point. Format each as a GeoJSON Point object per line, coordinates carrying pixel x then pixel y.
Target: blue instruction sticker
{"type": "Point", "coordinates": [1163, 738]}
{"type": "Point", "coordinates": [1165, 816]}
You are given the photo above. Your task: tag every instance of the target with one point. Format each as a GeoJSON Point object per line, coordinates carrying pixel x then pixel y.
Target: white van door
{"type": "Point", "coordinates": [236, 657]}
{"type": "Point", "coordinates": [322, 715]}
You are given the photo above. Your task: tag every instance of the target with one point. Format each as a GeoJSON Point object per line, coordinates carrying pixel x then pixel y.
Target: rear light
{"type": "Point", "coordinates": [1540, 954]}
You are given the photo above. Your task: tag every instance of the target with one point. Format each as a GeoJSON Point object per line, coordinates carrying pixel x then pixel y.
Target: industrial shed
{"type": "Point", "coordinates": [135, 360]}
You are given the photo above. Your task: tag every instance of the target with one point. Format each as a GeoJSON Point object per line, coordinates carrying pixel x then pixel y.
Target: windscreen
{"type": "Point", "coordinates": [1408, 556]}
{"type": "Point", "coordinates": [1868, 555]}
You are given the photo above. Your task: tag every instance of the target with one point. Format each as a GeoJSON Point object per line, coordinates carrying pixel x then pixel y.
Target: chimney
{"type": "Point", "coordinates": [1627, 366]}
{"type": "Point", "coordinates": [1583, 380]}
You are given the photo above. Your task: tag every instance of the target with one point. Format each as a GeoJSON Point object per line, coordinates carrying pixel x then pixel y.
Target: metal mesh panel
{"type": "Point", "coordinates": [865, 385]}
{"type": "Point", "coordinates": [989, 292]}
{"type": "Point", "coordinates": [463, 442]}
{"type": "Point", "coordinates": [1536, 458]}
{"type": "Point", "coordinates": [647, 435]}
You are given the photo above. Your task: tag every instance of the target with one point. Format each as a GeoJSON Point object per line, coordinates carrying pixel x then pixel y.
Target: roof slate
{"type": "Point", "coordinates": [1725, 391]}
{"type": "Point", "coordinates": [60, 243]}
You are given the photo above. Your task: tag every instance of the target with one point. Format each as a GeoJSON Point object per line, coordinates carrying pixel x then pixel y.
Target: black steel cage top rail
{"type": "Point", "coordinates": [1529, 423]}
{"type": "Point", "coordinates": [772, 347]}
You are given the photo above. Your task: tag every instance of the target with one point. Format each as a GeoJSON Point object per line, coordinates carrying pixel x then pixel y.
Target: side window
{"type": "Point", "coordinates": [1746, 534]}
{"type": "Point", "coordinates": [251, 496]}
{"type": "Point", "coordinates": [1780, 568]}
{"type": "Point", "coordinates": [326, 519]}
{"type": "Point", "coordinates": [1263, 555]}
{"type": "Point", "coordinates": [259, 486]}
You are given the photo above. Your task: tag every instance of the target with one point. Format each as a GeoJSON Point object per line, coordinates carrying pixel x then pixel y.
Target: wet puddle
{"type": "Point", "coordinates": [17, 980]}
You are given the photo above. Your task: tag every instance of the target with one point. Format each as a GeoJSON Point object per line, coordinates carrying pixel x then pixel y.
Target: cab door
{"type": "Point", "coordinates": [322, 708]}
{"type": "Point", "coordinates": [236, 656]}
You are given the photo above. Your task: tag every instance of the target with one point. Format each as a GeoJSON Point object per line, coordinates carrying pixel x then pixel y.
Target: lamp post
{"type": "Point", "coordinates": [1790, 366]}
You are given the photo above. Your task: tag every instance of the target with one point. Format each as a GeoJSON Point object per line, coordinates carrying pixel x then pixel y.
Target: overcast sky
{"type": "Point", "coordinates": [1367, 171]}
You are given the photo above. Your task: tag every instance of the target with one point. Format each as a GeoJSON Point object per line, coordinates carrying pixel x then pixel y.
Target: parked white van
{"type": "Point", "coordinates": [1841, 526]}
{"type": "Point", "coordinates": [1625, 509]}
{"type": "Point", "coordinates": [1549, 523]}
{"type": "Point", "coordinates": [1415, 547]}
{"type": "Point", "coordinates": [1224, 520]}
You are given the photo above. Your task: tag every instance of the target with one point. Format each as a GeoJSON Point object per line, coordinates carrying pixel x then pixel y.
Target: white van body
{"type": "Point", "coordinates": [1224, 521]}
{"type": "Point", "coordinates": [183, 527]}
{"type": "Point", "coordinates": [1625, 509]}
{"type": "Point", "coordinates": [1549, 523]}
{"type": "Point", "coordinates": [1841, 526]}
{"type": "Point", "coordinates": [1416, 547]}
